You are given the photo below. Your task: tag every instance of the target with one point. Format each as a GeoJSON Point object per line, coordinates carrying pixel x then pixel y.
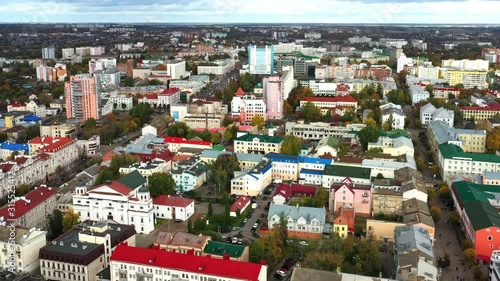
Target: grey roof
{"type": "Point", "coordinates": [140, 145]}
{"type": "Point", "coordinates": [409, 238]}
{"type": "Point", "coordinates": [191, 150]}
{"type": "Point", "coordinates": [296, 212]}
{"type": "Point", "coordinates": [65, 199]}
{"type": "Point", "coordinates": [193, 166]}
{"type": "Point", "coordinates": [247, 157]}
{"type": "Point", "coordinates": [22, 235]}
{"type": "Point", "coordinates": [416, 211]}
{"type": "Point", "coordinates": [428, 108]}
{"type": "Point", "coordinates": [92, 170]}
{"type": "Point", "coordinates": [402, 141]}
{"type": "Point", "coordinates": [306, 274]}
{"type": "Point", "coordinates": [443, 113]}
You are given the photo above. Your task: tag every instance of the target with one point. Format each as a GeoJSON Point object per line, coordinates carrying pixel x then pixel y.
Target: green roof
{"type": "Point", "coordinates": [262, 138]}
{"type": "Point", "coordinates": [450, 151]}
{"type": "Point", "coordinates": [332, 142]}
{"type": "Point", "coordinates": [347, 171]}
{"type": "Point", "coordinates": [132, 180]}
{"type": "Point", "coordinates": [219, 147]}
{"type": "Point", "coordinates": [470, 192]}
{"type": "Point", "coordinates": [220, 249]}
{"type": "Point", "coordinates": [482, 215]}
{"type": "Point", "coordinates": [394, 134]}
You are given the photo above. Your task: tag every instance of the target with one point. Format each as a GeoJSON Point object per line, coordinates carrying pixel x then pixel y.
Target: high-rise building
{"type": "Point", "coordinates": [261, 60]}
{"type": "Point", "coordinates": [67, 53]}
{"type": "Point", "coordinates": [273, 94]}
{"type": "Point", "coordinates": [49, 53]}
{"type": "Point", "coordinates": [82, 97]}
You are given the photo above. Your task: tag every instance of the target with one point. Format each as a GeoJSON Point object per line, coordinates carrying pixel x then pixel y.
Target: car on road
{"type": "Point", "coordinates": [280, 274]}
{"type": "Point", "coordinates": [234, 240]}
{"type": "Point", "coordinates": [257, 221]}
{"type": "Point", "coordinates": [255, 225]}
{"type": "Point", "coordinates": [262, 215]}
{"type": "Point", "coordinates": [245, 220]}
{"type": "Point", "coordinates": [235, 228]}
{"type": "Point", "coordinates": [290, 260]}
{"type": "Point", "coordinates": [209, 194]}
{"type": "Point", "coordinates": [383, 248]}
{"type": "Point", "coordinates": [178, 220]}
{"type": "Point", "coordinates": [303, 243]}
{"type": "Point", "coordinates": [240, 241]}
{"type": "Point", "coordinates": [249, 215]}
{"type": "Point", "coordinates": [255, 234]}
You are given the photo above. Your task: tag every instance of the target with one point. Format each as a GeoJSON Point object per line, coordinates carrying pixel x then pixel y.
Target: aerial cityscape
{"type": "Point", "coordinates": [250, 140]}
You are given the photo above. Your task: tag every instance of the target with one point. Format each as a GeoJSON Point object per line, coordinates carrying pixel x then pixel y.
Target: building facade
{"type": "Point", "coordinates": [261, 60]}
{"type": "Point", "coordinates": [83, 97]}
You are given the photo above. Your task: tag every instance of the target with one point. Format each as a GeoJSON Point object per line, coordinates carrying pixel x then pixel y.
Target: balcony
{"type": "Point", "coordinates": [366, 194]}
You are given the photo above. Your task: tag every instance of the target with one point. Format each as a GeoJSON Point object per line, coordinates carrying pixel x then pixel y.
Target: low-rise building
{"type": "Point", "coordinates": [301, 221]}
{"type": "Point", "coordinates": [90, 146]}
{"type": "Point", "coordinates": [417, 93]}
{"type": "Point", "coordinates": [239, 206]}
{"type": "Point", "coordinates": [159, 264]}
{"type": "Point", "coordinates": [382, 230]}
{"type": "Point", "coordinates": [252, 182]}
{"type": "Point", "coordinates": [83, 251]}
{"type": "Point", "coordinates": [64, 130]}
{"type": "Point", "coordinates": [429, 113]}
{"type": "Point", "coordinates": [203, 121]}
{"type": "Point", "coordinates": [442, 92]}
{"type": "Point", "coordinates": [306, 274]}
{"type": "Point", "coordinates": [439, 133]}
{"type": "Point", "coordinates": [481, 112]}
{"type": "Point", "coordinates": [351, 195]}
{"type": "Point", "coordinates": [335, 174]}
{"type": "Point", "coordinates": [394, 112]}
{"type": "Point", "coordinates": [413, 254]}
{"type": "Point", "coordinates": [31, 209]}
{"type": "Point", "coordinates": [174, 144]}
{"type": "Point", "coordinates": [19, 247]}
{"type": "Point", "coordinates": [257, 144]}
{"type": "Point", "coordinates": [247, 160]}
{"type": "Point", "coordinates": [491, 178]}
{"type": "Point", "coordinates": [416, 212]}
{"type": "Point", "coordinates": [146, 169]}
{"type": "Point", "coordinates": [319, 130]}
{"type": "Point", "coordinates": [218, 67]}
{"type": "Point", "coordinates": [173, 207]}
{"type": "Point", "coordinates": [190, 174]}
{"type": "Point", "coordinates": [180, 242]}
{"type": "Point", "coordinates": [126, 200]}
{"type": "Point", "coordinates": [284, 192]}
{"type": "Point", "coordinates": [221, 250]}
{"type": "Point", "coordinates": [339, 102]}
{"type": "Point", "coordinates": [167, 97]}
{"type": "Point", "coordinates": [393, 146]}
{"type": "Point", "coordinates": [343, 221]}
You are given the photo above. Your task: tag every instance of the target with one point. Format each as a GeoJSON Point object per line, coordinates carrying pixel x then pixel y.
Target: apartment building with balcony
{"type": "Point", "coordinates": [20, 254]}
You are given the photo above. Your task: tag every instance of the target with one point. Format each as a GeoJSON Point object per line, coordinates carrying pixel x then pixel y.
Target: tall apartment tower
{"type": "Point", "coordinates": [82, 97]}
{"type": "Point", "coordinates": [273, 89]}
{"type": "Point", "coordinates": [49, 53]}
{"type": "Point", "coordinates": [261, 60]}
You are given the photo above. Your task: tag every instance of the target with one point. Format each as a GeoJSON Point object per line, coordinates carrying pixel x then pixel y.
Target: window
{"type": "Point", "coordinates": [490, 238]}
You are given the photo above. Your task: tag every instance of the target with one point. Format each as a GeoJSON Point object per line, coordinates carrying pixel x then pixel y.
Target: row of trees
{"type": "Point", "coordinates": [180, 129]}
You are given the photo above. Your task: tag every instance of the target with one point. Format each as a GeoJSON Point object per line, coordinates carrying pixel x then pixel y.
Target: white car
{"type": "Point", "coordinates": [303, 243]}
{"type": "Point", "coordinates": [281, 273]}
{"type": "Point", "coordinates": [235, 240]}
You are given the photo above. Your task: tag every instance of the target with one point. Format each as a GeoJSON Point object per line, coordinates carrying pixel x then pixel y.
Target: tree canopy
{"type": "Point", "coordinates": [368, 134]}
{"type": "Point", "coordinates": [310, 112]}
{"type": "Point", "coordinates": [258, 121]}
{"type": "Point", "coordinates": [222, 171]}
{"type": "Point", "coordinates": [291, 145]}
{"type": "Point", "coordinates": [178, 129]}
{"type": "Point", "coordinates": [161, 184]}
{"type": "Point", "coordinates": [143, 112]}
{"type": "Point", "coordinates": [70, 219]}
{"type": "Point", "coordinates": [493, 140]}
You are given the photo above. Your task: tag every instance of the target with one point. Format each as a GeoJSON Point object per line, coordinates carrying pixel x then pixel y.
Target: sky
{"type": "Point", "coordinates": [253, 11]}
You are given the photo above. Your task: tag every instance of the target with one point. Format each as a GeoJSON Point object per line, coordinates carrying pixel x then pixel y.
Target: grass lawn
{"type": "Point", "coordinates": [359, 225]}
{"type": "Point", "coordinates": [159, 222]}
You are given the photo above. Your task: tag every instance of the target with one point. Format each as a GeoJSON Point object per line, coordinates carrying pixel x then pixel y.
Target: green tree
{"type": "Point", "coordinates": [22, 189]}
{"type": "Point", "coordinates": [227, 215]}
{"type": "Point", "coordinates": [454, 218]}
{"type": "Point", "coordinates": [210, 209]}
{"type": "Point", "coordinates": [216, 137]}
{"type": "Point", "coordinates": [32, 132]}
{"type": "Point", "coordinates": [466, 244]}
{"type": "Point", "coordinates": [310, 112]}
{"type": "Point", "coordinates": [388, 124]}
{"type": "Point", "coordinates": [370, 122]}
{"type": "Point", "coordinates": [56, 227]}
{"type": "Point", "coordinates": [350, 116]}
{"type": "Point", "coordinates": [154, 82]}
{"type": "Point", "coordinates": [257, 251]}
{"type": "Point", "coordinates": [129, 81]}
{"type": "Point", "coordinates": [178, 129]}
{"type": "Point", "coordinates": [3, 136]}
{"type": "Point", "coordinates": [420, 162]}
{"type": "Point", "coordinates": [478, 273]}
{"type": "Point", "coordinates": [143, 112]}
{"type": "Point", "coordinates": [222, 171]}
{"type": "Point", "coordinates": [161, 184]}
{"type": "Point", "coordinates": [470, 256]}
{"type": "Point", "coordinates": [190, 227]}
{"type": "Point", "coordinates": [70, 219]}
{"type": "Point", "coordinates": [258, 121]}
{"type": "Point", "coordinates": [493, 140]}
{"type": "Point", "coordinates": [368, 134]}
{"type": "Point", "coordinates": [435, 213]}
{"type": "Point", "coordinates": [291, 145]}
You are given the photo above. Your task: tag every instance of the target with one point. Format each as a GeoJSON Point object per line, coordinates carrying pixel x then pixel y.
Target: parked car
{"type": "Point", "coordinates": [290, 260]}
{"type": "Point", "coordinates": [240, 241]}
{"type": "Point", "coordinates": [235, 228]}
{"type": "Point", "coordinates": [255, 234]}
{"type": "Point", "coordinates": [257, 221]}
{"type": "Point", "coordinates": [249, 215]}
{"type": "Point", "coordinates": [262, 215]}
{"type": "Point", "coordinates": [178, 220]}
{"type": "Point", "coordinates": [245, 220]}
{"type": "Point", "coordinates": [303, 243]}
{"type": "Point", "coordinates": [383, 248]}
{"type": "Point", "coordinates": [234, 240]}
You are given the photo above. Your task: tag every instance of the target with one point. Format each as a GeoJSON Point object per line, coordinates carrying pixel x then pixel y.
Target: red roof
{"type": "Point", "coordinates": [345, 216]}
{"type": "Point", "coordinates": [15, 104]}
{"type": "Point", "coordinates": [150, 96]}
{"type": "Point", "coordinates": [115, 185]}
{"type": "Point", "coordinates": [240, 92]}
{"type": "Point", "coordinates": [185, 141]}
{"type": "Point", "coordinates": [206, 265]}
{"type": "Point", "coordinates": [283, 190]}
{"type": "Point", "coordinates": [240, 203]}
{"type": "Point", "coordinates": [218, 129]}
{"type": "Point", "coordinates": [169, 92]}
{"type": "Point", "coordinates": [175, 201]}
{"type": "Point", "coordinates": [331, 99]}
{"type": "Point", "coordinates": [33, 199]}
{"type": "Point", "coordinates": [21, 160]}
{"type": "Point", "coordinates": [51, 144]}
{"type": "Point", "coordinates": [5, 167]}
{"type": "Point", "coordinates": [491, 107]}
{"type": "Point", "coordinates": [299, 188]}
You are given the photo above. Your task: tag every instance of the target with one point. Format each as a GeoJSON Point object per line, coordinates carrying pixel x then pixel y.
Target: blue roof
{"type": "Point", "coordinates": [32, 118]}
{"type": "Point", "coordinates": [312, 172]}
{"type": "Point", "coordinates": [14, 146]}
{"type": "Point", "coordinates": [314, 160]}
{"type": "Point", "coordinates": [282, 158]}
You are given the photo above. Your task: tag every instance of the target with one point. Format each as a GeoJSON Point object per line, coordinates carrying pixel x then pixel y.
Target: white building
{"type": "Point", "coordinates": [49, 53]}
{"type": "Point", "coordinates": [176, 69]}
{"type": "Point", "coordinates": [62, 151]}
{"type": "Point", "coordinates": [125, 201]}
{"type": "Point", "coordinates": [84, 251]}
{"type": "Point", "coordinates": [319, 130]}
{"type": "Point", "coordinates": [157, 264]}
{"type": "Point", "coordinates": [312, 35]}
{"type": "Point", "coordinates": [428, 72]}
{"type": "Point", "coordinates": [67, 53]}
{"type": "Point", "coordinates": [173, 207]}
{"type": "Point", "coordinates": [244, 108]}
{"type": "Point", "coordinates": [109, 76]}
{"type": "Point", "coordinates": [396, 112]}
{"type": "Point", "coordinates": [178, 112]}
{"type": "Point", "coordinates": [91, 146]}
{"type": "Point", "coordinates": [481, 65]}
{"type": "Point", "coordinates": [20, 254]}
{"type": "Point", "coordinates": [218, 67]}
{"type": "Point", "coordinates": [190, 174]}
{"type": "Point", "coordinates": [300, 220]}
{"type": "Point", "coordinates": [174, 144]}
{"type": "Point", "coordinates": [417, 93]}
{"type": "Point", "coordinates": [495, 266]}
{"type": "Point", "coordinates": [252, 182]}
{"type": "Point", "coordinates": [429, 113]}
{"type": "Point", "coordinates": [146, 169]}
{"type": "Point", "coordinates": [101, 64]}
{"type": "Point", "coordinates": [122, 102]}
{"type": "Point", "coordinates": [393, 146]}
{"type": "Point", "coordinates": [402, 62]}
{"type": "Point", "coordinates": [97, 51]}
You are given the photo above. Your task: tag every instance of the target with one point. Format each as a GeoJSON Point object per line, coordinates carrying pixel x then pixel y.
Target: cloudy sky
{"type": "Point", "coordinates": [247, 11]}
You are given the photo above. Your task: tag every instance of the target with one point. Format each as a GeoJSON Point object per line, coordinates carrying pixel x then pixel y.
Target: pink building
{"type": "Point", "coordinates": [82, 97]}
{"type": "Point", "coordinates": [167, 97]}
{"type": "Point", "coordinates": [273, 94]}
{"type": "Point", "coordinates": [350, 195]}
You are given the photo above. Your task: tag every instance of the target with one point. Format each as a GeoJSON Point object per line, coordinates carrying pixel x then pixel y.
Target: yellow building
{"type": "Point", "coordinates": [382, 230]}
{"type": "Point", "coordinates": [257, 144]}
{"type": "Point", "coordinates": [468, 78]}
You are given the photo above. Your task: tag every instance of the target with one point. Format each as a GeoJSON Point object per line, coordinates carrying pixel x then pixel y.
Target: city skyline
{"type": "Point", "coordinates": [257, 11]}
